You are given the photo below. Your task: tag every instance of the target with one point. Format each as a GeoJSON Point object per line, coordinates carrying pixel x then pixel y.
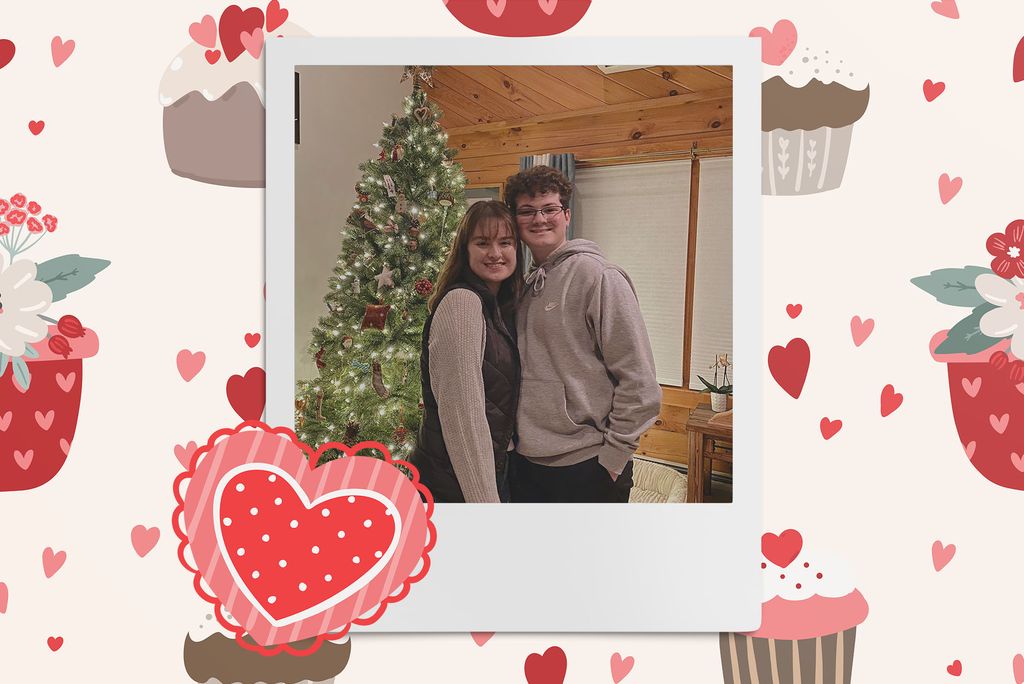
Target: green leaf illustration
{"type": "Point", "coordinates": [966, 337]}
{"type": "Point", "coordinates": [4, 359]}
{"type": "Point", "coordinates": [21, 372]}
{"type": "Point", "coordinates": [953, 286]}
{"type": "Point", "coordinates": [30, 352]}
{"type": "Point", "coordinates": [68, 273]}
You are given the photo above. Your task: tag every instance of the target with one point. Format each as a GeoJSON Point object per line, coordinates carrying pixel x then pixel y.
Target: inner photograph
{"type": "Point", "coordinates": [519, 278]}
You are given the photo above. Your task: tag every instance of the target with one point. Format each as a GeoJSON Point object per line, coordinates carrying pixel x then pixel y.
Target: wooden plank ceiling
{"type": "Point", "coordinates": [475, 95]}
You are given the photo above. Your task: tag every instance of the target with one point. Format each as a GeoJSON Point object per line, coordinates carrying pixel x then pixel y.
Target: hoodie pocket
{"type": "Point", "coordinates": [543, 423]}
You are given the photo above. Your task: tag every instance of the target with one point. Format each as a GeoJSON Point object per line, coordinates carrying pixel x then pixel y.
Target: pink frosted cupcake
{"type": "Point", "coordinates": [809, 621]}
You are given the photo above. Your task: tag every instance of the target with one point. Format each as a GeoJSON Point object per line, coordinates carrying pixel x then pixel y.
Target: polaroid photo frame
{"type": "Point", "coordinates": [560, 567]}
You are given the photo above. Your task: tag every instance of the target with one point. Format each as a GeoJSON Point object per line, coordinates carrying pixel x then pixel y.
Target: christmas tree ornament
{"type": "Point", "coordinates": [363, 197]}
{"type": "Point", "coordinates": [397, 153]}
{"type": "Point", "coordinates": [421, 114]}
{"type": "Point", "coordinates": [346, 342]}
{"type": "Point", "coordinates": [320, 359]}
{"type": "Point", "coordinates": [445, 199]}
{"type": "Point", "coordinates": [378, 381]}
{"type": "Point", "coordinates": [413, 245]}
{"type": "Point", "coordinates": [351, 432]}
{"type": "Point", "coordinates": [401, 204]}
{"type": "Point", "coordinates": [368, 225]}
{"type": "Point", "coordinates": [414, 232]}
{"type": "Point", "coordinates": [423, 287]}
{"type": "Point", "coordinates": [384, 278]}
{"type": "Point", "coordinates": [390, 227]}
{"type": "Point", "coordinates": [355, 286]}
{"type": "Point", "coordinates": [419, 73]}
{"type": "Point", "coordinates": [361, 366]}
{"type": "Point", "coordinates": [383, 156]}
{"type": "Point", "coordinates": [389, 185]}
{"type": "Point", "coordinates": [401, 434]}
{"type": "Point", "coordinates": [375, 316]}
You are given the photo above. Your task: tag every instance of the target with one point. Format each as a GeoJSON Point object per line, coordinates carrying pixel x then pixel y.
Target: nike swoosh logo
{"type": "Point", "coordinates": [550, 306]}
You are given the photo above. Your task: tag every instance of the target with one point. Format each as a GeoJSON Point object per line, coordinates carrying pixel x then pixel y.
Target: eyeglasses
{"type": "Point", "coordinates": [548, 212]}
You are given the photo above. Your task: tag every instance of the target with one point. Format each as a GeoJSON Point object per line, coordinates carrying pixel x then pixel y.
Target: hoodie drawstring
{"type": "Point", "coordinates": [537, 280]}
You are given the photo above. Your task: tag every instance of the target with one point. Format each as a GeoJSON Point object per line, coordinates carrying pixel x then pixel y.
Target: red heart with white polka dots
{"type": "Point", "coordinates": [292, 551]}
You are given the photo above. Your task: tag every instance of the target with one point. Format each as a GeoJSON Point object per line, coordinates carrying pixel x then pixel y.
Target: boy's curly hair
{"type": "Point", "coordinates": [538, 180]}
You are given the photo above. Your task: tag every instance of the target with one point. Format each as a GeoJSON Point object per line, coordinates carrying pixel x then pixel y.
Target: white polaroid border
{"type": "Point", "coordinates": [561, 567]}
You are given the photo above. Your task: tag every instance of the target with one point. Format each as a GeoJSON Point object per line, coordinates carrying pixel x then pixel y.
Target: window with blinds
{"type": "Point", "coordinates": [638, 214]}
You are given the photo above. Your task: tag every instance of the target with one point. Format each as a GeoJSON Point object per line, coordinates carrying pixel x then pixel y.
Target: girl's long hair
{"type": "Point", "coordinates": [486, 215]}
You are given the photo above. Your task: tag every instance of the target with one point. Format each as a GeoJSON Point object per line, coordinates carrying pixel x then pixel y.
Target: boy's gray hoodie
{"type": "Point", "coordinates": [589, 386]}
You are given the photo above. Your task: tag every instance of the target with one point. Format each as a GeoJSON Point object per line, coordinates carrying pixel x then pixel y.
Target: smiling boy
{"type": "Point", "coordinates": [589, 389]}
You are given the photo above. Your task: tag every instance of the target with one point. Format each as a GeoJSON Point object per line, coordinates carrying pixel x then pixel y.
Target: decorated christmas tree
{"type": "Point", "coordinates": [367, 346]}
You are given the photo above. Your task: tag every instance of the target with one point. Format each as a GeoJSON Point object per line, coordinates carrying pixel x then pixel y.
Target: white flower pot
{"type": "Point", "coordinates": [719, 402]}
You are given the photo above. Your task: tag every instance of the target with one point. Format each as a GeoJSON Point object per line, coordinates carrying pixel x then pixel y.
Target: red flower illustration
{"type": "Point", "coordinates": [4, 206]}
{"type": "Point", "coordinates": [34, 226]}
{"type": "Point", "coordinates": [51, 222]}
{"type": "Point", "coordinates": [34, 208]}
{"type": "Point", "coordinates": [18, 200]}
{"type": "Point", "coordinates": [1008, 250]}
{"type": "Point", "coordinates": [16, 217]}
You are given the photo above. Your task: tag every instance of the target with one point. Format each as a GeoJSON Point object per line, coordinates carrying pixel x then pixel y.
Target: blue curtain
{"type": "Point", "coordinates": [566, 163]}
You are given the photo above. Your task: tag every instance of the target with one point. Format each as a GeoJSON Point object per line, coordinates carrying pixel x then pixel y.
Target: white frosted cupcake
{"type": "Point", "coordinates": [212, 94]}
{"type": "Point", "coordinates": [809, 621]}
{"type": "Point", "coordinates": [808, 107]}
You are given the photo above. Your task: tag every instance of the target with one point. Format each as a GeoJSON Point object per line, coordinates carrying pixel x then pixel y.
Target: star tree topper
{"type": "Point", "coordinates": [384, 278]}
{"type": "Point", "coordinates": [422, 73]}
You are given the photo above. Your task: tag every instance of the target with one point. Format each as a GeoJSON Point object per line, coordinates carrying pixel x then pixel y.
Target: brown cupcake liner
{"type": "Point", "coordinates": [753, 660]}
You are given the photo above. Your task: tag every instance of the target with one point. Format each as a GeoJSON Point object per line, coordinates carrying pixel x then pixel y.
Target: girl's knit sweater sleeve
{"type": "Point", "coordinates": [456, 359]}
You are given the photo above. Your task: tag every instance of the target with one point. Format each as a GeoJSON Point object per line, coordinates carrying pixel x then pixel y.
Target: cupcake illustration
{"type": "Point", "coordinates": [809, 620]}
{"type": "Point", "coordinates": [809, 104]}
{"type": "Point", "coordinates": [212, 96]}
{"type": "Point", "coordinates": [212, 654]}
{"type": "Point", "coordinates": [40, 357]}
{"type": "Point", "coordinates": [984, 355]}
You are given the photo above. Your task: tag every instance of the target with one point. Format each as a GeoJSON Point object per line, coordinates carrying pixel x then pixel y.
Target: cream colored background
{"type": "Point", "coordinates": [186, 273]}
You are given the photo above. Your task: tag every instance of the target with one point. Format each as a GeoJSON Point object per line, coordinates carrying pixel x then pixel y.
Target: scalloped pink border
{"type": "Point", "coordinates": [313, 457]}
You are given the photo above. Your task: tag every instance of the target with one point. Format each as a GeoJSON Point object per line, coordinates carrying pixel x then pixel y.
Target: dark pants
{"type": "Point", "coordinates": [586, 482]}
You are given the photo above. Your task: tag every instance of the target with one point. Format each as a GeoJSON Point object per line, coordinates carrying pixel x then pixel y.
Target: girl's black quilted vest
{"type": "Point", "coordinates": [501, 372]}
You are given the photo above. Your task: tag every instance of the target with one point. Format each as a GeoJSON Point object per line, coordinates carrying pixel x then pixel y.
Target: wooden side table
{"type": "Point", "coordinates": [708, 442]}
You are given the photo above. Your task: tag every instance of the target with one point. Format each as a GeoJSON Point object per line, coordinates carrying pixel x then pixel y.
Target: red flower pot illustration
{"type": "Point", "coordinates": [37, 425]}
{"type": "Point", "coordinates": [986, 391]}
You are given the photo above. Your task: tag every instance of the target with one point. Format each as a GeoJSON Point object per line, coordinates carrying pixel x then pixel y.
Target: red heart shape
{"type": "Point", "coordinates": [55, 643]}
{"type": "Point", "coordinates": [548, 668]}
{"type": "Point", "coordinates": [956, 668]}
{"type": "Point", "coordinates": [829, 428]}
{"type": "Point", "coordinates": [252, 339]}
{"type": "Point", "coordinates": [275, 15]}
{"type": "Point", "coordinates": [212, 56]}
{"type": "Point", "coordinates": [933, 90]}
{"type": "Point", "coordinates": [891, 400]}
{"type": "Point", "coordinates": [6, 52]}
{"type": "Point", "coordinates": [518, 18]}
{"type": "Point", "coordinates": [1018, 62]}
{"type": "Point", "coordinates": [247, 393]}
{"type": "Point", "coordinates": [794, 310]}
{"type": "Point", "coordinates": [789, 365]}
{"type": "Point", "coordinates": [36, 127]}
{"type": "Point", "coordinates": [232, 23]}
{"type": "Point", "coordinates": [781, 549]}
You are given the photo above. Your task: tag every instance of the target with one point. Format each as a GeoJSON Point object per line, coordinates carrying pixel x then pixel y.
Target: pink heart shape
{"type": "Point", "coordinates": [184, 453]}
{"type": "Point", "coordinates": [969, 449]}
{"type": "Point", "coordinates": [497, 7]}
{"type": "Point", "coordinates": [946, 8]}
{"type": "Point", "coordinates": [1018, 461]}
{"type": "Point", "coordinates": [941, 555]}
{"type": "Point", "coordinates": [66, 382]}
{"type": "Point", "coordinates": [933, 90]}
{"type": "Point", "coordinates": [144, 539]}
{"type": "Point", "coordinates": [23, 459]}
{"type": "Point", "coordinates": [548, 6]}
{"type": "Point", "coordinates": [621, 667]}
{"type": "Point", "coordinates": [971, 387]}
{"type": "Point", "coordinates": [829, 428]}
{"type": "Point", "coordinates": [295, 552]}
{"type": "Point", "coordinates": [65, 446]}
{"type": "Point", "coordinates": [53, 561]}
{"type": "Point", "coordinates": [60, 50]}
{"type": "Point", "coordinates": [481, 638]}
{"type": "Point", "coordinates": [5, 421]}
{"type": "Point", "coordinates": [948, 188]}
{"type": "Point", "coordinates": [252, 42]}
{"type": "Point", "coordinates": [44, 420]}
{"type": "Point", "coordinates": [190, 363]}
{"type": "Point", "coordinates": [861, 330]}
{"type": "Point", "coordinates": [4, 595]}
{"type": "Point", "coordinates": [1018, 668]}
{"type": "Point", "coordinates": [204, 32]}
{"type": "Point", "coordinates": [777, 44]}
{"type": "Point", "coordinates": [999, 424]}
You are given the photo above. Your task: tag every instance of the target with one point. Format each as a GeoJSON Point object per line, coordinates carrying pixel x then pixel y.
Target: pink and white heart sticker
{"type": "Point", "coordinates": [293, 551]}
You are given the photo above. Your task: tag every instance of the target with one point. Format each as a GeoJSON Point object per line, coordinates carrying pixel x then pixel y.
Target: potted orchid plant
{"type": "Point", "coordinates": [719, 393]}
{"type": "Point", "coordinates": [40, 356]}
{"type": "Point", "coordinates": [984, 355]}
